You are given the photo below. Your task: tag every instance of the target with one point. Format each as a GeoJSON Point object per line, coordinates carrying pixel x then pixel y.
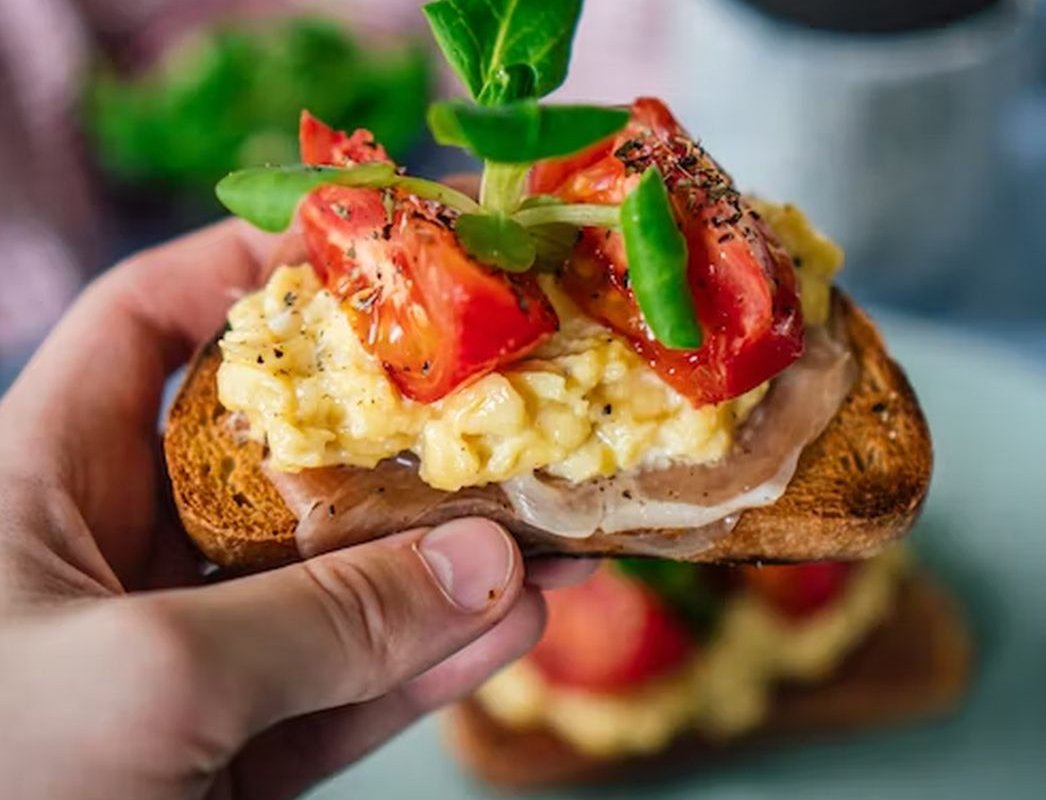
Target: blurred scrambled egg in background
{"type": "Point", "coordinates": [912, 132]}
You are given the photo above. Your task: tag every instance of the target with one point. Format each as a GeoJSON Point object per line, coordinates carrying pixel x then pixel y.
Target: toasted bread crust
{"type": "Point", "coordinates": [858, 487]}
{"type": "Point", "coordinates": [917, 664]}
{"type": "Point", "coordinates": [862, 483]}
{"type": "Point", "coordinates": [228, 507]}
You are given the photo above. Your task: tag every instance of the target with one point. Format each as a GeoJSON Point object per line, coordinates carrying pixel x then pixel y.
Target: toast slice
{"type": "Point", "coordinates": [915, 665]}
{"type": "Point", "coordinates": [858, 486]}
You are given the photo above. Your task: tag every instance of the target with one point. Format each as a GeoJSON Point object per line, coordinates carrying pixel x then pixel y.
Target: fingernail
{"type": "Point", "coordinates": [471, 560]}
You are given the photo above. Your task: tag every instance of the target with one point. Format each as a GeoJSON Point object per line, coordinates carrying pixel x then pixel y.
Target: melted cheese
{"type": "Point", "coordinates": [580, 406]}
{"type": "Point", "coordinates": [722, 692]}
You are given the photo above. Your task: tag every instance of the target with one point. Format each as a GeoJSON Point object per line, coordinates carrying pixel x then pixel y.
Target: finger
{"type": "Point", "coordinates": [130, 328]}
{"type": "Point", "coordinates": [557, 573]}
{"type": "Point", "coordinates": [173, 296]}
{"type": "Point", "coordinates": [172, 562]}
{"type": "Point", "coordinates": [345, 627]}
{"type": "Point", "coordinates": [180, 291]}
{"type": "Point", "coordinates": [288, 759]}
{"type": "Point", "coordinates": [94, 387]}
{"type": "Point", "coordinates": [135, 324]}
{"type": "Point", "coordinates": [464, 671]}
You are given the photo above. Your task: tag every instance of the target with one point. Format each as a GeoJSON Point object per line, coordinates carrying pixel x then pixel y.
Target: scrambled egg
{"type": "Point", "coordinates": [722, 692]}
{"type": "Point", "coordinates": [817, 258]}
{"type": "Point", "coordinates": [582, 405]}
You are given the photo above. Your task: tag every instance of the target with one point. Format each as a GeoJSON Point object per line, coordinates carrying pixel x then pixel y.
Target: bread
{"type": "Point", "coordinates": [916, 664]}
{"type": "Point", "coordinates": [858, 487]}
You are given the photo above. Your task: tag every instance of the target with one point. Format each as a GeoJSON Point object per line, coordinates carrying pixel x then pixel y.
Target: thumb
{"type": "Point", "coordinates": [347, 626]}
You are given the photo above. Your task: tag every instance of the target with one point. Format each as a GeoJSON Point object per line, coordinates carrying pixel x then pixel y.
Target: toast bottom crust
{"type": "Point", "coordinates": [857, 487]}
{"type": "Point", "coordinates": [917, 664]}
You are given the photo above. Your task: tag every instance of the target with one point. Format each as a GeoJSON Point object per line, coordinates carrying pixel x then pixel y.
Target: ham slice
{"type": "Point", "coordinates": [347, 505]}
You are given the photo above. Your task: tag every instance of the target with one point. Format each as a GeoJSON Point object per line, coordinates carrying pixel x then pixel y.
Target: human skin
{"type": "Point", "coordinates": [122, 674]}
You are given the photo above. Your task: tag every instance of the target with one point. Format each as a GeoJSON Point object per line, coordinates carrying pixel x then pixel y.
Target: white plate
{"type": "Point", "coordinates": [984, 532]}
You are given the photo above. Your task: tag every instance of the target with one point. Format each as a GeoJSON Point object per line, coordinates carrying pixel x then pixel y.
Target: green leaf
{"type": "Point", "coordinates": [582, 215]}
{"type": "Point", "coordinates": [657, 264]}
{"type": "Point", "coordinates": [524, 131]}
{"type": "Point", "coordinates": [496, 240]}
{"type": "Point", "coordinates": [269, 196]}
{"type": "Point", "coordinates": [506, 50]}
{"type": "Point", "coordinates": [502, 186]}
{"type": "Point", "coordinates": [553, 245]}
{"type": "Point", "coordinates": [231, 98]}
{"type": "Point", "coordinates": [440, 192]}
{"type": "Point", "coordinates": [688, 589]}
{"type": "Point", "coordinates": [553, 241]}
{"type": "Point", "coordinates": [540, 201]}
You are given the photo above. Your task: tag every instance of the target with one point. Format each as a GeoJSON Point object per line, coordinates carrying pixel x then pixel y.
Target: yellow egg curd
{"type": "Point", "coordinates": [723, 691]}
{"type": "Point", "coordinates": [582, 405]}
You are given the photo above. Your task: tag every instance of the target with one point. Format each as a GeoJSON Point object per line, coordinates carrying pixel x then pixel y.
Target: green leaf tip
{"type": "Point", "coordinates": [657, 264]}
{"type": "Point", "coordinates": [506, 50]}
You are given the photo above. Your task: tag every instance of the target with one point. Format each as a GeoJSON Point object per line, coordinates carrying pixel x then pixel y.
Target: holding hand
{"type": "Point", "coordinates": [116, 680]}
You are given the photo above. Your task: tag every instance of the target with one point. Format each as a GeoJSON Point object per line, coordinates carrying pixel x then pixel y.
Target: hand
{"type": "Point", "coordinates": [118, 676]}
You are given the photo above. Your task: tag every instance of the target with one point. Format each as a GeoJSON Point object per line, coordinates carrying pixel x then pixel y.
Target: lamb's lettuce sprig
{"type": "Point", "coordinates": [509, 54]}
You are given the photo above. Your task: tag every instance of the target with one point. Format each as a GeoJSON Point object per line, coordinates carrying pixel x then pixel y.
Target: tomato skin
{"type": "Point", "coordinates": [798, 591]}
{"type": "Point", "coordinates": [549, 176]}
{"type": "Point", "coordinates": [434, 316]}
{"type": "Point", "coordinates": [321, 144]}
{"type": "Point", "coordinates": [742, 280]}
{"type": "Point", "coordinates": [608, 635]}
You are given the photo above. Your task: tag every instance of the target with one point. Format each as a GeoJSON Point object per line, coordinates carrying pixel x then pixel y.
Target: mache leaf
{"type": "Point", "coordinates": [657, 264]}
{"type": "Point", "coordinates": [523, 131]}
{"type": "Point", "coordinates": [268, 196]}
{"type": "Point", "coordinates": [553, 241]}
{"type": "Point", "coordinates": [505, 50]}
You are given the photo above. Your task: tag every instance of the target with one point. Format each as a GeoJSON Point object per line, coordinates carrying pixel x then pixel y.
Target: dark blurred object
{"type": "Point", "coordinates": [231, 98]}
{"type": "Point", "coordinates": [872, 16]}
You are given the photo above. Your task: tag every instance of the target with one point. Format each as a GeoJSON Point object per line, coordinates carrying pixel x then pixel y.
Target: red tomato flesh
{"type": "Point", "coordinates": [321, 144]}
{"type": "Point", "coordinates": [800, 590]}
{"type": "Point", "coordinates": [742, 280]}
{"type": "Point", "coordinates": [609, 634]}
{"type": "Point", "coordinates": [434, 316]}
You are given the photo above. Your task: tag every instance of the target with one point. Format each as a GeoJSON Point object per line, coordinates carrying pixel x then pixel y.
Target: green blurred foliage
{"type": "Point", "coordinates": [695, 592]}
{"type": "Point", "coordinates": [231, 99]}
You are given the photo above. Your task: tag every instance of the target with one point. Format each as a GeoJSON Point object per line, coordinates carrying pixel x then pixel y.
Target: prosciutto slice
{"type": "Point", "coordinates": [700, 503]}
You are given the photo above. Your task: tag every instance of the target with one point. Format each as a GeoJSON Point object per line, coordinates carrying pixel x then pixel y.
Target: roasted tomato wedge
{"type": "Point", "coordinates": [608, 634]}
{"type": "Point", "coordinates": [321, 144]}
{"type": "Point", "coordinates": [799, 590]}
{"type": "Point", "coordinates": [435, 317]}
{"type": "Point", "coordinates": [742, 280]}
